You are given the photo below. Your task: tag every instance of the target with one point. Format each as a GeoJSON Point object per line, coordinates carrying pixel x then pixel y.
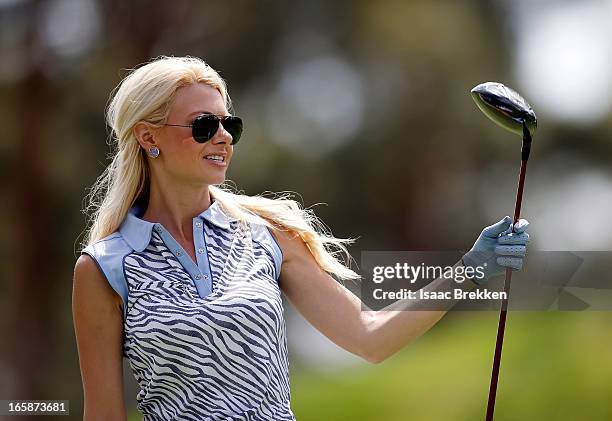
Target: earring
{"type": "Point", "coordinates": [153, 151]}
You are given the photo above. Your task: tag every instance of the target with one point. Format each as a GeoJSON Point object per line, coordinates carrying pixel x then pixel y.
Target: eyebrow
{"type": "Point", "coordinates": [203, 112]}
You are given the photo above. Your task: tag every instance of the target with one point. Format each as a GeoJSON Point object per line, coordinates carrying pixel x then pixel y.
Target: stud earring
{"type": "Point", "coordinates": [153, 151]}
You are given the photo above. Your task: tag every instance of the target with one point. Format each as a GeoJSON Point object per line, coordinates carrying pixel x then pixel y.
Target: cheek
{"type": "Point", "coordinates": [182, 152]}
{"type": "Point", "coordinates": [191, 154]}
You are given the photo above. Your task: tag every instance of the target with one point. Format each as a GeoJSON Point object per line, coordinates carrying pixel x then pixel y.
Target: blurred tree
{"type": "Point", "coordinates": [33, 246]}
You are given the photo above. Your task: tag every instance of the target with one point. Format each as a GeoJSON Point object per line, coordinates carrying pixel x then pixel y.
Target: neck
{"type": "Point", "coordinates": [175, 206]}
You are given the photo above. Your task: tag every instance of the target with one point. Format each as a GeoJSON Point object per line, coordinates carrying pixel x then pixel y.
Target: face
{"type": "Point", "coordinates": [181, 157]}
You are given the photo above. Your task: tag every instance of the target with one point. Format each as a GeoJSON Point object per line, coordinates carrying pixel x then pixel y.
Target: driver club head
{"type": "Point", "coordinates": [505, 107]}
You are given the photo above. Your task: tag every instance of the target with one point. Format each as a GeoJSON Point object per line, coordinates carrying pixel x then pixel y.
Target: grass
{"type": "Point", "coordinates": [554, 366]}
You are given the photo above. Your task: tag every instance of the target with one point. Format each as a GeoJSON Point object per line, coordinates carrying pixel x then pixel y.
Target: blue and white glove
{"type": "Point", "coordinates": [500, 245]}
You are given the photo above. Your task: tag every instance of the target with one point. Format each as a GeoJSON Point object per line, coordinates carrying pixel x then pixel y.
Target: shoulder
{"type": "Point", "coordinates": [110, 245]}
{"type": "Point", "coordinates": [262, 235]}
{"type": "Point", "coordinates": [86, 268]}
{"type": "Point", "coordinates": [105, 258]}
{"type": "Point", "coordinates": [291, 244]}
{"type": "Point", "coordinates": [90, 281]}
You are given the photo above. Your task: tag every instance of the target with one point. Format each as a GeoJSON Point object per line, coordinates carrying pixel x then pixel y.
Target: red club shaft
{"type": "Point", "coordinates": [504, 305]}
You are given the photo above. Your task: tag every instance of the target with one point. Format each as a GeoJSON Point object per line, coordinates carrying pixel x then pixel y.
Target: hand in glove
{"type": "Point", "coordinates": [499, 246]}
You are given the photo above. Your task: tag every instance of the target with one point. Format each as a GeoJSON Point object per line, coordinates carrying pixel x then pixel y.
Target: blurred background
{"type": "Point", "coordinates": [363, 108]}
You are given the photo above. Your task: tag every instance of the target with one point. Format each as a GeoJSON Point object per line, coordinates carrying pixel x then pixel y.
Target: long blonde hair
{"type": "Point", "coordinates": [147, 94]}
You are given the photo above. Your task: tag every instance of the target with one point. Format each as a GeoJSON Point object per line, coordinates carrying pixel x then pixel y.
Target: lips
{"type": "Point", "coordinates": [214, 157]}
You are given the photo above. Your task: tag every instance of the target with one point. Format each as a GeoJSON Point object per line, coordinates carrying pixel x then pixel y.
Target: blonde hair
{"type": "Point", "coordinates": [147, 94]}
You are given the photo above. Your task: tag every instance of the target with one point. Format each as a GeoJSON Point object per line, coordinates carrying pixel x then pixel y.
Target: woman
{"type": "Point", "coordinates": [184, 277]}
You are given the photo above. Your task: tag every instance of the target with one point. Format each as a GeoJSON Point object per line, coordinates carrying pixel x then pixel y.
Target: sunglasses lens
{"type": "Point", "coordinates": [204, 128]}
{"type": "Point", "coordinates": [233, 125]}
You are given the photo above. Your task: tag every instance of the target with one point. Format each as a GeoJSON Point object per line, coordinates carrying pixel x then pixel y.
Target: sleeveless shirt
{"type": "Point", "coordinates": [205, 340]}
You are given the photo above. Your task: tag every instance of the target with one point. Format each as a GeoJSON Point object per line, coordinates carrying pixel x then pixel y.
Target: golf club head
{"type": "Point", "coordinates": [505, 107]}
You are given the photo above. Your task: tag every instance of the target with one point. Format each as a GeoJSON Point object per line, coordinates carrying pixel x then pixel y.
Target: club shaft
{"type": "Point", "coordinates": [504, 305]}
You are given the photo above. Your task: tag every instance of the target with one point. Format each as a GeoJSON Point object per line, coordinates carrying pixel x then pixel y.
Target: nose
{"type": "Point", "coordinates": [222, 135]}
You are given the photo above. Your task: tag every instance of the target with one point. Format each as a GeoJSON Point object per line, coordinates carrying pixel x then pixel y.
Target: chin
{"type": "Point", "coordinates": [213, 180]}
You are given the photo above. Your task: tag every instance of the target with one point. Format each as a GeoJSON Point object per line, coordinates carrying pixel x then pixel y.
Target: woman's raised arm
{"type": "Point", "coordinates": [376, 335]}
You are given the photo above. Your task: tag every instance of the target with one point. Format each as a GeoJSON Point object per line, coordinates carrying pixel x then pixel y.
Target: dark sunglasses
{"type": "Point", "coordinates": [205, 126]}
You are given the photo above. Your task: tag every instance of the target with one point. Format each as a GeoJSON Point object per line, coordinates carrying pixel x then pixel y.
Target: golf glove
{"type": "Point", "coordinates": [499, 246]}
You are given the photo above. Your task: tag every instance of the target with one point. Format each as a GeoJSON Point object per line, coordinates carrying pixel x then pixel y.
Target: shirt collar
{"type": "Point", "coordinates": [137, 231]}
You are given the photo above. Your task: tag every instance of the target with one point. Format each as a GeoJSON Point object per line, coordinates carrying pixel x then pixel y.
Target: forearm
{"type": "Point", "coordinates": [104, 414]}
{"type": "Point", "coordinates": [103, 405]}
{"type": "Point", "coordinates": [393, 327]}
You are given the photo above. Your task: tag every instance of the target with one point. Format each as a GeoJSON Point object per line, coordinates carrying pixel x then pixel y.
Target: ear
{"type": "Point", "coordinates": [145, 134]}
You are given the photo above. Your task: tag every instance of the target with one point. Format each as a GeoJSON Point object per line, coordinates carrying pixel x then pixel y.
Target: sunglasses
{"type": "Point", "coordinates": [205, 126]}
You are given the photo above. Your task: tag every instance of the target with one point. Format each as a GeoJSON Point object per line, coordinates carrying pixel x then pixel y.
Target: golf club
{"type": "Point", "coordinates": [508, 109]}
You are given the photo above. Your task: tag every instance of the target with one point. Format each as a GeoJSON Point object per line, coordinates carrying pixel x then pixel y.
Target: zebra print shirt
{"type": "Point", "coordinates": [205, 340]}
